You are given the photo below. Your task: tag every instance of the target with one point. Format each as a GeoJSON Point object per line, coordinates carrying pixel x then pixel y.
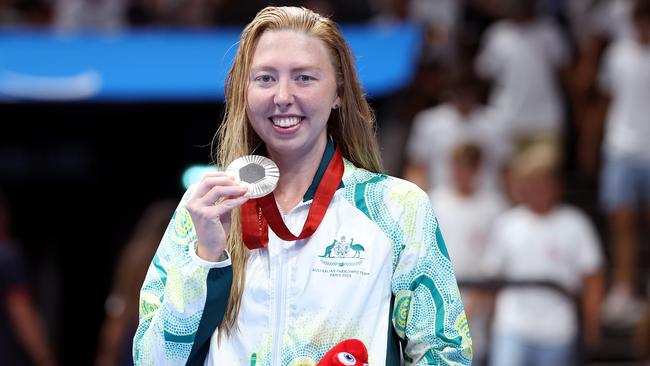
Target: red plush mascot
{"type": "Point", "coordinates": [350, 352]}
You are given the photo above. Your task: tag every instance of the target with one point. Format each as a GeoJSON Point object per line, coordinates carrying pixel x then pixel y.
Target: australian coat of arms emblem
{"type": "Point", "coordinates": [342, 249]}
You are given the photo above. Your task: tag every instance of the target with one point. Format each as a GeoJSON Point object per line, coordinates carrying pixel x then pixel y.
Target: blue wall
{"type": "Point", "coordinates": [164, 65]}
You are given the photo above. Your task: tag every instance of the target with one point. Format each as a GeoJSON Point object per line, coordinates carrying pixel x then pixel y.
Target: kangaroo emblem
{"type": "Point", "coordinates": [328, 250]}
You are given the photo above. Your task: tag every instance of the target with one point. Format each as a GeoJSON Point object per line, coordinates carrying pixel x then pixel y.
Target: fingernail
{"type": "Point", "coordinates": [232, 176]}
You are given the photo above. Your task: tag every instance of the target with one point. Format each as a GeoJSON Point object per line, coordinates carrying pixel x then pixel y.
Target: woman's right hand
{"type": "Point", "coordinates": [210, 206]}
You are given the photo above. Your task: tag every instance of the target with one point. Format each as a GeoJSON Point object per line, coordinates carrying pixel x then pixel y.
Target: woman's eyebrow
{"type": "Point", "coordinates": [262, 68]}
{"type": "Point", "coordinates": [306, 68]}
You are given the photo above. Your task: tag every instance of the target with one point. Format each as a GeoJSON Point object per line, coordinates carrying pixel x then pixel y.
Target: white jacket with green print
{"type": "Point", "coordinates": [376, 270]}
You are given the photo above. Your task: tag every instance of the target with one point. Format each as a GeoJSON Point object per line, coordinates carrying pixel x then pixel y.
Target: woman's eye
{"type": "Point", "coordinates": [305, 78]}
{"type": "Point", "coordinates": [264, 78]}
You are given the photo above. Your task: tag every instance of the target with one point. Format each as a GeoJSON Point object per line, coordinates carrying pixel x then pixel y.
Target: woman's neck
{"type": "Point", "coordinates": [296, 175]}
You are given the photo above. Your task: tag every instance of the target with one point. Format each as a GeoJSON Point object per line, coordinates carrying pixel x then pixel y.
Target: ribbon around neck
{"type": "Point", "coordinates": [260, 213]}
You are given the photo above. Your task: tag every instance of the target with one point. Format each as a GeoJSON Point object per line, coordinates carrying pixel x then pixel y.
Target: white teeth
{"type": "Point", "coordinates": [285, 121]}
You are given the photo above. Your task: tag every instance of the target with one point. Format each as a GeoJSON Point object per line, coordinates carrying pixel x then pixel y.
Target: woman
{"type": "Point", "coordinates": [377, 256]}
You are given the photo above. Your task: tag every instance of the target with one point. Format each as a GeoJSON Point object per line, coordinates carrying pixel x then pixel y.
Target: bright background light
{"type": "Point", "coordinates": [196, 172]}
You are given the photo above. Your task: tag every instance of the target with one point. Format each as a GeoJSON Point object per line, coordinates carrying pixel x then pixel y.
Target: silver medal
{"type": "Point", "coordinates": [259, 172]}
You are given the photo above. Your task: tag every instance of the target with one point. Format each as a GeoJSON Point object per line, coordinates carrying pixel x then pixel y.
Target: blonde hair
{"type": "Point", "coordinates": [537, 158]}
{"type": "Point", "coordinates": [352, 128]}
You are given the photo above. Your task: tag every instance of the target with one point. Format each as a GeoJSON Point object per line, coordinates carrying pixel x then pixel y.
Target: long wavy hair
{"type": "Point", "coordinates": [352, 126]}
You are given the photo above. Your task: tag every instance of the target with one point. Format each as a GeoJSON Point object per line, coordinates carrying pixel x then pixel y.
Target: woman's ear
{"type": "Point", "coordinates": [337, 103]}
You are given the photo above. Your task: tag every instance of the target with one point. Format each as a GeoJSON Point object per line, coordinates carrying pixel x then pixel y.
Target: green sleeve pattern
{"type": "Point", "coordinates": [428, 313]}
{"type": "Point", "coordinates": [172, 298]}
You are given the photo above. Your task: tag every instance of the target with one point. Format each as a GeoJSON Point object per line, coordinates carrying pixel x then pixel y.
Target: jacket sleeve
{"type": "Point", "coordinates": [428, 313]}
{"type": "Point", "coordinates": [179, 292]}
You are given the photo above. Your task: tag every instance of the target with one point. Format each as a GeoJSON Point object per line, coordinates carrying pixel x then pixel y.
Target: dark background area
{"type": "Point", "coordinates": [77, 177]}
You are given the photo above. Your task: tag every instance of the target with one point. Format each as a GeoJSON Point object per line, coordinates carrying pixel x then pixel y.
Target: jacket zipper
{"type": "Point", "coordinates": [280, 304]}
{"type": "Point", "coordinates": [279, 310]}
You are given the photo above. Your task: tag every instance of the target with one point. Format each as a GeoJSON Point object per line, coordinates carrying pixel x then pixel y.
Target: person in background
{"type": "Point", "coordinates": [461, 118]}
{"type": "Point", "coordinates": [466, 212]}
{"type": "Point", "coordinates": [523, 55]}
{"type": "Point", "coordinates": [116, 335]}
{"type": "Point", "coordinates": [554, 250]}
{"type": "Point", "coordinates": [625, 180]}
{"type": "Point", "coordinates": [596, 25]}
{"type": "Point", "coordinates": [395, 117]}
{"type": "Point", "coordinates": [23, 336]}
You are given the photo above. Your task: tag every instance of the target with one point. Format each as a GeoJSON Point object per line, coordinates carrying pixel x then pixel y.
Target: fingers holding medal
{"type": "Point", "coordinates": [212, 202]}
{"type": "Point", "coordinates": [218, 193]}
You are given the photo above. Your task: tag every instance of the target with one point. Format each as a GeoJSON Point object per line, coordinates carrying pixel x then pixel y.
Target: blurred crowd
{"type": "Point", "coordinates": [512, 100]}
{"type": "Point", "coordinates": [528, 96]}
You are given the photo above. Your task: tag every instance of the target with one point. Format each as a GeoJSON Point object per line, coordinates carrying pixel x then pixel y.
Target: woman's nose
{"type": "Point", "coordinates": [284, 93]}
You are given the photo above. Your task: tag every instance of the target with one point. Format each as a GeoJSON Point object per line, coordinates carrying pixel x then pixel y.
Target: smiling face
{"type": "Point", "coordinates": [291, 93]}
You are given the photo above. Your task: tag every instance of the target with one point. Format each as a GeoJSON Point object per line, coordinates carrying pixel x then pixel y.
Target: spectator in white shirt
{"type": "Point", "coordinates": [625, 184]}
{"type": "Point", "coordinates": [543, 240]}
{"type": "Point", "coordinates": [523, 56]}
{"type": "Point", "coordinates": [460, 119]}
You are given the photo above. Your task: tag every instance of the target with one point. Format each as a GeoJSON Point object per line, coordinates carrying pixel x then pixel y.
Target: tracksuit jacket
{"type": "Point", "coordinates": [376, 269]}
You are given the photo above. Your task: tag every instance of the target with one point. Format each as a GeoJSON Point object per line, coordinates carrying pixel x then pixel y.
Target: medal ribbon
{"type": "Point", "coordinates": [260, 213]}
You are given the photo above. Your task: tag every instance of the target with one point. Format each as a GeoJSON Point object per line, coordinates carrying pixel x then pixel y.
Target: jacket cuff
{"type": "Point", "coordinates": [208, 264]}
